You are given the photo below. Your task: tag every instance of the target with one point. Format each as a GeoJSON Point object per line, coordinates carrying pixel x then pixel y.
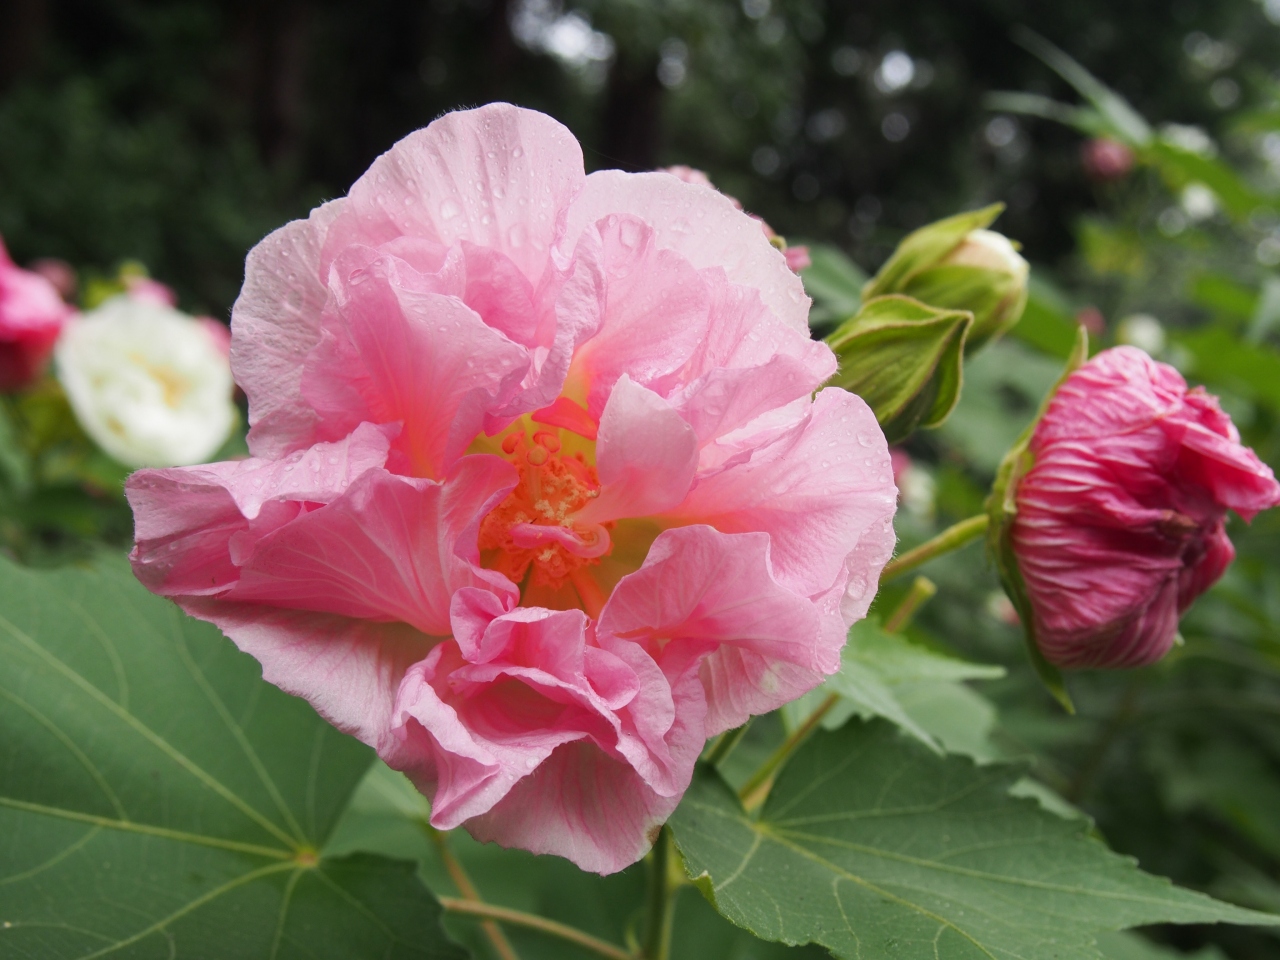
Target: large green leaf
{"type": "Point", "coordinates": [877, 848]}
{"type": "Point", "coordinates": [876, 669]}
{"type": "Point", "coordinates": [158, 799]}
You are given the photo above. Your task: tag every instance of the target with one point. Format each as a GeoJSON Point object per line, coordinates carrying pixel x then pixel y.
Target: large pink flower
{"type": "Point", "coordinates": [31, 317]}
{"type": "Point", "coordinates": [540, 495]}
{"type": "Point", "coordinates": [1120, 522]}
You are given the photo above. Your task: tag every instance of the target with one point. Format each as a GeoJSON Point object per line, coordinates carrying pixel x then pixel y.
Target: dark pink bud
{"type": "Point", "coordinates": [1120, 521]}
{"type": "Point", "coordinates": [1106, 160]}
{"type": "Point", "coordinates": [1091, 319]}
{"type": "Point", "coordinates": [31, 317]}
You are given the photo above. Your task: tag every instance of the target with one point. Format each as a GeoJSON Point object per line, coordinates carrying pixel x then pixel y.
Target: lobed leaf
{"type": "Point", "coordinates": [876, 848]}
{"type": "Point", "coordinates": [158, 799]}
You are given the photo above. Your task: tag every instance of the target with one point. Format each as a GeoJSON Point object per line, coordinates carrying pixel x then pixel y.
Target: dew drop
{"type": "Point", "coordinates": [486, 219]}
{"type": "Point", "coordinates": [517, 235]}
{"type": "Point", "coordinates": [629, 234]}
{"type": "Point", "coordinates": [499, 193]}
{"type": "Point", "coordinates": [518, 152]}
{"type": "Point", "coordinates": [449, 210]}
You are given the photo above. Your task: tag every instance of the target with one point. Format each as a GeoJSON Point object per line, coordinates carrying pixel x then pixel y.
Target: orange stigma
{"type": "Point", "coordinates": [536, 525]}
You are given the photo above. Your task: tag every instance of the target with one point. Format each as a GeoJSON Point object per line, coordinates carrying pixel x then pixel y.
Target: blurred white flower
{"type": "Point", "coordinates": [1143, 331]}
{"type": "Point", "coordinates": [151, 386]}
{"type": "Point", "coordinates": [1199, 202]}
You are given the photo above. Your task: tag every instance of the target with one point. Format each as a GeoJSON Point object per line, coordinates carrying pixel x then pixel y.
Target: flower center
{"type": "Point", "coordinates": [534, 532]}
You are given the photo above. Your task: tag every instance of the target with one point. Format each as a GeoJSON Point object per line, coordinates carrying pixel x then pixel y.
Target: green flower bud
{"type": "Point", "coordinates": [905, 359]}
{"type": "Point", "coordinates": [958, 264]}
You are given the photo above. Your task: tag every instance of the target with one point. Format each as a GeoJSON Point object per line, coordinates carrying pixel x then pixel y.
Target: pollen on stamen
{"type": "Point", "coordinates": [553, 487]}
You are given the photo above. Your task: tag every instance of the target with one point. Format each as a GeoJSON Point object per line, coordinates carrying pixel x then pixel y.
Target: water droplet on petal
{"type": "Point", "coordinates": [518, 152]}
{"type": "Point", "coordinates": [517, 235]}
{"type": "Point", "coordinates": [449, 210]}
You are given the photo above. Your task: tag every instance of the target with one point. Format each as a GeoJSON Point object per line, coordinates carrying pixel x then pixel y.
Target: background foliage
{"type": "Point", "coordinates": [178, 132]}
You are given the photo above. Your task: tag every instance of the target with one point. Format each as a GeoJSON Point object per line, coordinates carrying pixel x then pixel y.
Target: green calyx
{"type": "Point", "coordinates": [957, 264]}
{"type": "Point", "coordinates": [1002, 510]}
{"type": "Point", "coordinates": [905, 359]}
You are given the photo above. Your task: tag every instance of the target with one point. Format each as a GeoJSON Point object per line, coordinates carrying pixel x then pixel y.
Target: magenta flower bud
{"type": "Point", "coordinates": [1120, 519]}
{"type": "Point", "coordinates": [31, 317]}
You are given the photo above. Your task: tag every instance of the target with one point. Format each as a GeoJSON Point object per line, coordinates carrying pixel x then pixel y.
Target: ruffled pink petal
{"type": "Point", "coordinates": [646, 456]}
{"type": "Point", "coordinates": [396, 351]}
{"type": "Point", "coordinates": [389, 548]}
{"type": "Point", "coordinates": [580, 804]}
{"type": "Point", "coordinates": [653, 309]}
{"type": "Point", "coordinates": [498, 177]}
{"type": "Point", "coordinates": [716, 592]}
{"type": "Point", "coordinates": [817, 485]}
{"type": "Point", "coordinates": [748, 364]}
{"type": "Point", "coordinates": [186, 517]}
{"type": "Point", "coordinates": [274, 325]}
{"type": "Point", "coordinates": [703, 226]}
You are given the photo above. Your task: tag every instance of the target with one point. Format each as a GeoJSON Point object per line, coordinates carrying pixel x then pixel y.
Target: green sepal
{"type": "Point", "coordinates": [995, 298]}
{"type": "Point", "coordinates": [905, 359]}
{"type": "Point", "coordinates": [925, 247]}
{"type": "Point", "coordinates": [1002, 509]}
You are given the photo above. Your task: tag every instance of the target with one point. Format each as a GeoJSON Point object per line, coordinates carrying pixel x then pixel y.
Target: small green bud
{"type": "Point", "coordinates": [905, 359]}
{"type": "Point", "coordinates": [958, 264]}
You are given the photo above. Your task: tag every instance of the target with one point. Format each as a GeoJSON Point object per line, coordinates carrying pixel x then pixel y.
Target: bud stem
{"type": "Point", "coordinates": [952, 538]}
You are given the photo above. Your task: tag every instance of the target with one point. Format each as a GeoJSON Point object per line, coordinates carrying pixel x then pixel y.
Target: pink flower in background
{"type": "Point", "coordinates": [1120, 521]}
{"type": "Point", "coordinates": [540, 494]}
{"type": "Point", "coordinates": [31, 317]}
{"type": "Point", "coordinates": [1105, 160]}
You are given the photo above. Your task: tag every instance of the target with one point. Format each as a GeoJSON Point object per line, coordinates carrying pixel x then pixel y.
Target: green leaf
{"type": "Point", "coordinates": [905, 359]}
{"type": "Point", "coordinates": [1047, 322]}
{"type": "Point", "coordinates": [1087, 121]}
{"type": "Point", "coordinates": [1122, 121]}
{"type": "Point", "coordinates": [834, 282]}
{"type": "Point", "coordinates": [876, 848]}
{"type": "Point", "coordinates": [159, 799]}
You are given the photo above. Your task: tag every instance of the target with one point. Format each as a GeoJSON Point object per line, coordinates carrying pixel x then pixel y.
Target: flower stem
{"type": "Point", "coordinates": [952, 538]}
{"type": "Point", "coordinates": [657, 937]}
{"type": "Point", "coordinates": [725, 744]}
{"type": "Point", "coordinates": [754, 791]}
{"type": "Point", "coordinates": [458, 874]}
{"type": "Point", "coordinates": [922, 590]}
{"type": "Point", "coordinates": [552, 928]}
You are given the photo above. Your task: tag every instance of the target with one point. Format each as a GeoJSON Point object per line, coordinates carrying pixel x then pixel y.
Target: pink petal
{"type": "Point", "coordinates": [185, 517]}
{"type": "Point", "coordinates": [582, 805]}
{"type": "Point", "coordinates": [349, 670]}
{"type": "Point", "coordinates": [498, 177]}
{"type": "Point", "coordinates": [654, 310]}
{"type": "Point", "coordinates": [716, 592]}
{"type": "Point", "coordinates": [818, 487]}
{"type": "Point", "coordinates": [646, 455]}
{"type": "Point", "coordinates": [274, 324]}
{"type": "Point", "coordinates": [703, 226]}
{"type": "Point", "coordinates": [389, 548]}
{"type": "Point", "coordinates": [400, 352]}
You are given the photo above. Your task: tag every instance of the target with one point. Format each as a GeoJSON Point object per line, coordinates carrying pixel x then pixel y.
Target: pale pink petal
{"type": "Point", "coordinates": [389, 548]}
{"type": "Point", "coordinates": [274, 324]}
{"type": "Point", "coordinates": [646, 455]}
{"type": "Point", "coordinates": [703, 226]}
{"type": "Point", "coordinates": [400, 352]}
{"type": "Point", "coordinates": [349, 670]}
{"type": "Point", "coordinates": [498, 177]}
{"type": "Point", "coordinates": [817, 488]}
{"type": "Point", "coordinates": [186, 517]}
{"type": "Point", "coordinates": [654, 310]}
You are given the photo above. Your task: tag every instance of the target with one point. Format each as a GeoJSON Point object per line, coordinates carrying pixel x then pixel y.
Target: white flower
{"type": "Point", "coordinates": [150, 385]}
